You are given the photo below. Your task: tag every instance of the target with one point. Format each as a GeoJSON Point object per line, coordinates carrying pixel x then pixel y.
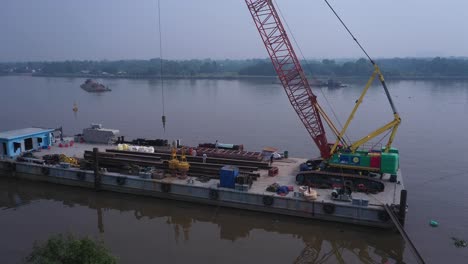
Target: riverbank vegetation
{"type": "Point", "coordinates": [395, 67]}
{"type": "Point", "coordinates": [70, 249]}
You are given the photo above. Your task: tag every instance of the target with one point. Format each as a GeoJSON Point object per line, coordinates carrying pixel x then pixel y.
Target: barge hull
{"type": "Point", "coordinates": [202, 193]}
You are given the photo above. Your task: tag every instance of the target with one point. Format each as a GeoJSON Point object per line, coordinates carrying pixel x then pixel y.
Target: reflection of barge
{"type": "Point", "coordinates": [94, 87]}
{"type": "Point", "coordinates": [319, 238]}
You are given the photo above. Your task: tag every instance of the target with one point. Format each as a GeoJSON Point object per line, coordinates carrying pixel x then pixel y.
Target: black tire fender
{"type": "Point", "coordinates": [121, 180]}
{"type": "Point", "coordinates": [300, 179]}
{"type": "Point", "coordinates": [166, 187]}
{"type": "Point", "coordinates": [383, 216]}
{"type": "Point", "coordinates": [334, 194]}
{"type": "Point", "coordinates": [12, 166]}
{"type": "Point", "coordinates": [214, 194]}
{"type": "Point", "coordinates": [81, 175]}
{"type": "Point", "coordinates": [268, 200]}
{"type": "Point", "coordinates": [328, 208]}
{"type": "Point", "coordinates": [138, 214]}
{"type": "Point", "coordinates": [45, 171]}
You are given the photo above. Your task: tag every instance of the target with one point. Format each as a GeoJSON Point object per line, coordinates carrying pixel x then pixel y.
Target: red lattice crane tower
{"type": "Point", "coordinates": [289, 70]}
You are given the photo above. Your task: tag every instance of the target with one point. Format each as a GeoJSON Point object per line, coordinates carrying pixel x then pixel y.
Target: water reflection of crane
{"type": "Point", "coordinates": [312, 253]}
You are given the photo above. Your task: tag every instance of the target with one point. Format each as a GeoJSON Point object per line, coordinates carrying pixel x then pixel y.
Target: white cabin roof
{"type": "Point", "coordinates": [24, 132]}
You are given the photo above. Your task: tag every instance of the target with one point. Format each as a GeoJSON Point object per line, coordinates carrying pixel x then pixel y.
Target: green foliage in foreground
{"type": "Point", "coordinates": [67, 249]}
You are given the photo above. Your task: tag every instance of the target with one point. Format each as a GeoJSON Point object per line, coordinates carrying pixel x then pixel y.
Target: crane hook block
{"type": "Point", "coordinates": [164, 121]}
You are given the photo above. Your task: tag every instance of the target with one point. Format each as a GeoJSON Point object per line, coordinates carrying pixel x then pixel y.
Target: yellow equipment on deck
{"type": "Point", "coordinates": [73, 161]}
{"type": "Point", "coordinates": [184, 166]}
{"type": "Point", "coordinates": [174, 162]}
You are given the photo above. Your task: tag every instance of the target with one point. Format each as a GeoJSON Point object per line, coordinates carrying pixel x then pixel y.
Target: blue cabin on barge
{"type": "Point", "coordinates": [15, 142]}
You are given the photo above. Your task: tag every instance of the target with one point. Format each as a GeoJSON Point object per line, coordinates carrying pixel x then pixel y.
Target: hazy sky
{"type": "Point", "coordinates": [128, 29]}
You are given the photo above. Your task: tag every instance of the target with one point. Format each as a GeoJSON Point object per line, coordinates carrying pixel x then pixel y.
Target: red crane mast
{"type": "Point", "coordinates": [289, 70]}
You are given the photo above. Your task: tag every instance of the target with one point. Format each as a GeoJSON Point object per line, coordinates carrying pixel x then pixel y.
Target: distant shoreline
{"type": "Point", "coordinates": [229, 77]}
{"type": "Point", "coordinates": [342, 70]}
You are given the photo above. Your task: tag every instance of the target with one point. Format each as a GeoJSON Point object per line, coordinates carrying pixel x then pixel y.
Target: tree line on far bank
{"type": "Point", "coordinates": [394, 67]}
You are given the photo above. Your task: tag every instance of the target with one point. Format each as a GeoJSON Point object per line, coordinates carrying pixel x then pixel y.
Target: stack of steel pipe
{"type": "Point", "coordinates": [214, 160]}
{"type": "Point", "coordinates": [230, 154]}
{"type": "Point", "coordinates": [115, 160]}
{"type": "Point", "coordinates": [218, 153]}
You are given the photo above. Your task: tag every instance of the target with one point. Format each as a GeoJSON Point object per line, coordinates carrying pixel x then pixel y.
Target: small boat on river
{"type": "Point", "coordinates": [330, 83]}
{"type": "Point", "coordinates": [94, 87]}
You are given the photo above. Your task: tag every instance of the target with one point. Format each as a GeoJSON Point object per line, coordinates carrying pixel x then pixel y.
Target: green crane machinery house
{"type": "Point", "coordinates": [15, 142]}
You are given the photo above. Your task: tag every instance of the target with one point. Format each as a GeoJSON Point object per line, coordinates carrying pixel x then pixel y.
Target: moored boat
{"type": "Point", "coordinates": [94, 87]}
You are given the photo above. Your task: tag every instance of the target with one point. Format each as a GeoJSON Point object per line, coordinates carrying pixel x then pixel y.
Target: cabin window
{"type": "Point", "coordinates": [28, 144]}
{"type": "Point", "coordinates": [5, 151]}
{"type": "Point", "coordinates": [16, 146]}
{"type": "Point", "coordinates": [39, 141]}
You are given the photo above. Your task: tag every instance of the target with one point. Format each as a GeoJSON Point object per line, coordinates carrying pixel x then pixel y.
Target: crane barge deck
{"type": "Point", "coordinates": [202, 183]}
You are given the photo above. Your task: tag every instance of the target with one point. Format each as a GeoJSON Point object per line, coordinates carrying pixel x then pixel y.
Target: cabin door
{"type": "Point", "coordinates": [28, 144]}
{"type": "Point", "coordinates": [4, 149]}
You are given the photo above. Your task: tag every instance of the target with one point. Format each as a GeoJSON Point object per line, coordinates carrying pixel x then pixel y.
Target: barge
{"type": "Point", "coordinates": [368, 209]}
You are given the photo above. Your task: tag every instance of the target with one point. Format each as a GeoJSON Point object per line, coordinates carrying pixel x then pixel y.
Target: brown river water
{"type": "Point", "coordinates": [256, 113]}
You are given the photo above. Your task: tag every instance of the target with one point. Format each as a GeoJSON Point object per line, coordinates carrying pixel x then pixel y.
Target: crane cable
{"type": "Point", "coordinates": [368, 57]}
{"type": "Point", "coordinates": [350, 33]}
{"type": "Point", "coordinates": [309, 68]}
{"type": "Point", "coordinates": [383, 137]}
{"type": "Point", "coordinates": [161, 67]}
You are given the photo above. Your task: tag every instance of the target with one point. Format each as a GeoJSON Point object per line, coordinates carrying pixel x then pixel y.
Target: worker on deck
{"type": "Point", "coordinates": [204, 157]}
{"type": "Point", "coordinates": [271, 158]}
{"type": "Point", "coordinates": [216, 145]}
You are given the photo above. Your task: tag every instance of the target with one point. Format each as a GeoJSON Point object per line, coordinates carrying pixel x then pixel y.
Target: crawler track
{"type": "Point", "coordinates": [326, 179]}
